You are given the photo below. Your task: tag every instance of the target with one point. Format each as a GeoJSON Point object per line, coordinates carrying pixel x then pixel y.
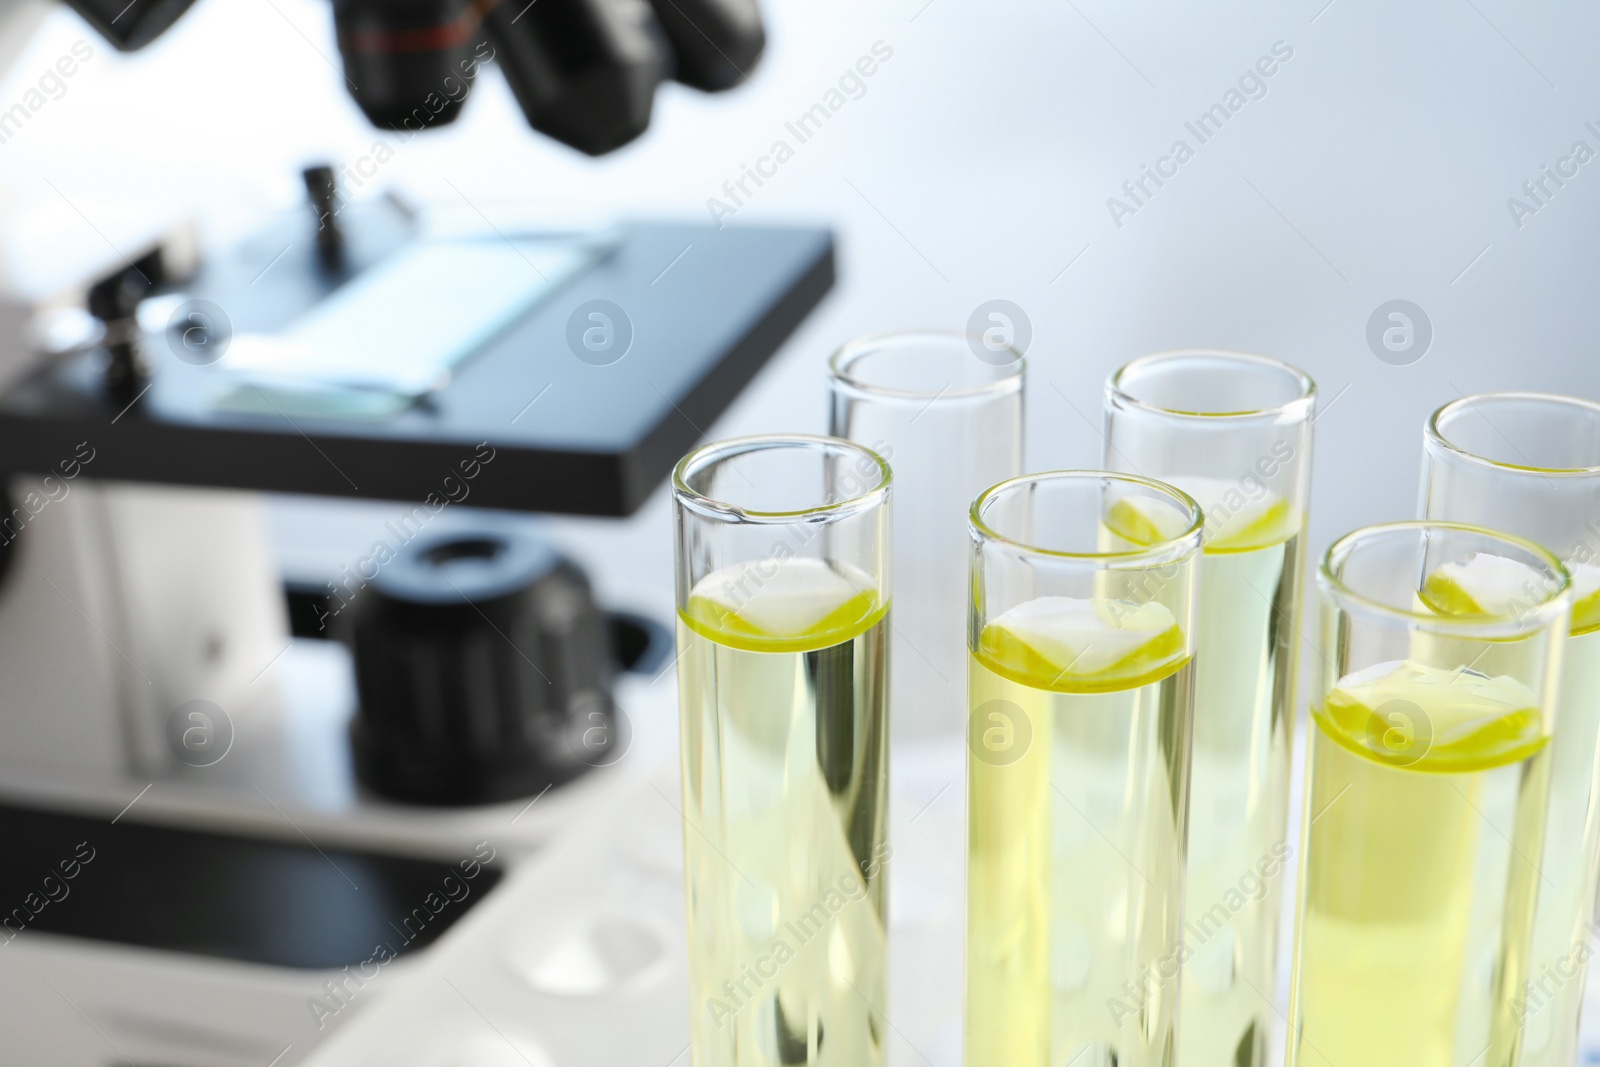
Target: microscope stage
{"type": "Point", "coordinates": [569, 433]}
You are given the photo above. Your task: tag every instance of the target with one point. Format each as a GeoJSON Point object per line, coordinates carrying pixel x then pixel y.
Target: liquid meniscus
{"type": "Point", "coordinates": [1239, 781]}
{"type": "Point", "coordinates": [1077, 794]}
{"type": "Point", "coordinates": [1425, 814]}
{"type": "Point", "coordinates": [782, 707]}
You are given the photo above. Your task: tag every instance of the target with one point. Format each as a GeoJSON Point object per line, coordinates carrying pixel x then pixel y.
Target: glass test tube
{"type": "Point", "coordinates": [1427, 774]}
{"type": "Point", "coordinates": [1081, 631]}
{"type": "Point", "coordinates": [946, 411]}
{"type": "Point", "coordinates": [783, 597]}
{"type": "Point", "coordinates": [1234, 432]}
{"type": "Point", "coordinates": [1530, 464]}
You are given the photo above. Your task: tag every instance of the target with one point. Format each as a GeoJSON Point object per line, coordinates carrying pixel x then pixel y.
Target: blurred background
{"type": "Point", "coordinates": [977, 164]}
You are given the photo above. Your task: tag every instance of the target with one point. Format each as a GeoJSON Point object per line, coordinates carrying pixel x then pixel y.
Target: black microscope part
{"type": "Point", "coordinates": [130, 26]}
{"type": "Point", "coordinates": [114, 300]}
{"type": "Point", "coordinates": [227, 896]}
{"type": "Point", "coordinates": [639, 643]}
{"type": "Point", "coordinates": [483, 668]}
{"type": "Point", "coordinates": [583, 71]}
{"type": "Point", "coordinates": [718, 42]}
{"type": "Point", "coordinates": [410, 63]}
{"type": "Point", "coordinates": [322, 189]}
{"type": "Point", "coordinates": [604, 437]}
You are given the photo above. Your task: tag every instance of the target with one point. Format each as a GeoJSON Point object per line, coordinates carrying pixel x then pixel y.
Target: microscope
{"type": "Point", "coordinates": [220, 785]}
{"type": "Point", "coordinates": [584, 71]}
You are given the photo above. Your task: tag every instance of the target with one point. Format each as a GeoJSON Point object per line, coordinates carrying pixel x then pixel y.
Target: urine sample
{"type": "Point", "coordinates": [1081, 638]}
{"type": "Point", "coordinates": [1234, 432]}
{"type": "Point", "coordinates": [1428, 771]}
{"type": "Point", "coordinates": [949, 421]}
{"type": "Point", "coordinates": [1530, 463]}
{"type": "Point", "coordinates": [783, 598]}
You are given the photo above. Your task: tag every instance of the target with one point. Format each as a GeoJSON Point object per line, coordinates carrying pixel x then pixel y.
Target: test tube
{"type": "Point", "coordinates": [783, 599]}
{"type": "Point", "coordinates": [1081, 631]}
{"type": "Point", "coordinates": [1234, 432]}
{"type": "Point", "coordinates": [1530, 464]}
{"type": "Point", "coordinates": [1428, 769]}
{"type": "Point", "coordinates": [946, 411]}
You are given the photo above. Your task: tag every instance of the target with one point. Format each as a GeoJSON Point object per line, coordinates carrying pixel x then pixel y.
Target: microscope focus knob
{"type": "Point", "coordinates": [484, 672]}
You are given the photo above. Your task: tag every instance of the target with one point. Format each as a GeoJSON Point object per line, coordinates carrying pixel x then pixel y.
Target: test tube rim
{"type": "Point", "coordinates": [1354, 601]}
{"type": "Point", "coordinates": [840, 379]}
{"type": "Point", "coordinates": [1434, 437]}
{"type": "Point", "coordinates": [724, 511]}
{"type": "Point", "coordinates": [1171, 550]}
{"type": "Point", "coordinates": [1292, 409]}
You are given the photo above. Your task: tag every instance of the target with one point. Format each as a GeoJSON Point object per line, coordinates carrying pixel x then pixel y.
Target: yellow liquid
{"type": "Point", "coordinates": [785, 772]}
{"type": "Point", "coordinates": [1552, 997]}
{"type": "Point", "coordinates": [1239, 786]}
{"type": "Point", "coordinates": [1550, 1001]}
{"type": "Point", "coordinates": [1425, 810]}
{"type": "Point", "coordinates": [1077, 806]}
